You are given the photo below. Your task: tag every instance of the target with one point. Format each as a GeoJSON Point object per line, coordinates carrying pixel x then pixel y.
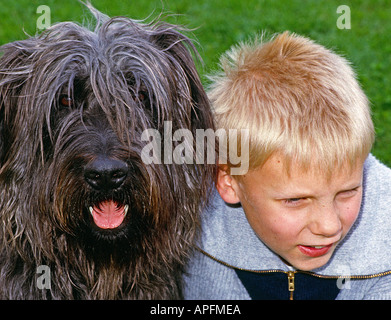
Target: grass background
{"type": "Point", "coordinates": [218, 24]}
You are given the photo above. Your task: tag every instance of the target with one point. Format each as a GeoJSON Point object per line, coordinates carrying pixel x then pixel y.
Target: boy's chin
{"type": "Point", "coordinates": [305, 263]}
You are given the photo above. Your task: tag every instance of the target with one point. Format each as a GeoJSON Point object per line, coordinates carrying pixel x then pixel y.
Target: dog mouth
{"type": "Point", "coordinates": [108, 214]}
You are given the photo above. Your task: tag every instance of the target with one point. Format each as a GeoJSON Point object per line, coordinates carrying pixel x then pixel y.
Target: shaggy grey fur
{"type": "Point", "coordinates": [71, 96]}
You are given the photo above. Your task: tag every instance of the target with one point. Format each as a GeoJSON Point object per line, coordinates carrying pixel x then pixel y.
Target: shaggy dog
{"type": "Point", "coordinates": [76, 198]}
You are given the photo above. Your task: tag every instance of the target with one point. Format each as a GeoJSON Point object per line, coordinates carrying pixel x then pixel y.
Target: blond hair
{"type": "Point", "coordinates": [295, 97]}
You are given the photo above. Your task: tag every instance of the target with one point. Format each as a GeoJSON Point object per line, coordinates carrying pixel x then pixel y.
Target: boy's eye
{"type": "Point", "coordinates": [348, 193]}
{"type": "Point", "coordinates": [292, 202]}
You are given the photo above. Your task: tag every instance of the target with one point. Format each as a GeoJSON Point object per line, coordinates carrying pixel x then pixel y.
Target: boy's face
{"type": "Point", "coordinates": [301, 217]}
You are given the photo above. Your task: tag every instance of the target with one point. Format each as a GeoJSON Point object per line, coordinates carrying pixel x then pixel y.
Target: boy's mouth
{"type": "Point", "coordinates": [316, 250]}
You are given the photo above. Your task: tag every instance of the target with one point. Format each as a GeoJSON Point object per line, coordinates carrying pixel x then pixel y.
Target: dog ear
{"type": "Point", "coordinates": [14, 71]}
{"type": "Point", "coordinates": [4, 128]}
{"type": "Point", "coordinates": [5, 134]}
{"type": "Point", "coordinates": [2, 138]}
{"type": "Point", "coordinates": [182, 49]}
{"type": "Point", "coordinates": [5, 137]}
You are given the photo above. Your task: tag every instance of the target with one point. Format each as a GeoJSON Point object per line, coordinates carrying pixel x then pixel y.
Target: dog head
{"type": "Point", "coordinates": [74, 104]}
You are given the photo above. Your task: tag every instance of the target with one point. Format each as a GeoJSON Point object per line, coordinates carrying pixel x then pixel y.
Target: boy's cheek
{"type": "Point", "coordinates": [350, 217]}
{"type": "Point", "coordinates": [351, 212]}
{"type": "Point", "coordinates": [275, 231]}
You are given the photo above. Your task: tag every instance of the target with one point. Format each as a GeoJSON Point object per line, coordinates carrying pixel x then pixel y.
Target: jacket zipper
{"type": "Point", "coordinates": [291, 284]}
{"type": "Point", "coordinates": [291, 274]}
{"type": "Point", "coordinates": [291, 278]}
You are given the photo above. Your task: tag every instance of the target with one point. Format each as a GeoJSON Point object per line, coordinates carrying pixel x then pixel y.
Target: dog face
{"type": "Point", "coordinates": [74, 104]}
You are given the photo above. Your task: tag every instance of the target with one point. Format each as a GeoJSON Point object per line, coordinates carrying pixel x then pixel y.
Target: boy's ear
{"type": "Point", "coordinates": [226, 186]}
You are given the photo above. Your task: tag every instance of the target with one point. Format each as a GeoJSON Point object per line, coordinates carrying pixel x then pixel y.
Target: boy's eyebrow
{"type": "Point", "coordinates": [294, 196]}
{"type": "Point", "coordinates": [352, 188]}
{"type": "Point", "coordinates": [303, 194]}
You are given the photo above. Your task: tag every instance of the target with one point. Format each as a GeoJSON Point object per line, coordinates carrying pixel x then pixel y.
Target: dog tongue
{"type": "Point", "coordinates": [108, 215]}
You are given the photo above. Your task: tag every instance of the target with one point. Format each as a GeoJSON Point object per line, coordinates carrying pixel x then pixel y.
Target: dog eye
{"type": "Point", "coordinates": [141, 96]}
{"type": "Point", "coordinates": [66, 101]}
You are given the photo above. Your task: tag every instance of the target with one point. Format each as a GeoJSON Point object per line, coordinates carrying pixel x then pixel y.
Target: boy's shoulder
{"type": "Point", "coordinates": [377, 177]}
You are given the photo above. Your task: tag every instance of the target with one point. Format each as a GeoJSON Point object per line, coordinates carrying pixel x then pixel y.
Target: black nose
{"type": "Point", "coordinates": [105, 173]}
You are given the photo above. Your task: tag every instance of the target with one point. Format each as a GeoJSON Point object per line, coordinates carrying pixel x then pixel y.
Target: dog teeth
{"type": "Point", "coordinates": [126, 210]}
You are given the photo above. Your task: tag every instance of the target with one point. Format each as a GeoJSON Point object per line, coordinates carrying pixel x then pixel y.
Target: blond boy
{"type": "Point", "coordinates": [310, 219]}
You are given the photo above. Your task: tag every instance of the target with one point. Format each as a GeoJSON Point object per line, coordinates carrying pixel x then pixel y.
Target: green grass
{"type": "Point", "coordinates": [218, 24]}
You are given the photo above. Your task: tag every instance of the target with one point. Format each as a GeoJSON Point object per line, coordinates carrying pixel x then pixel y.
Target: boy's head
{"type": "Point", "coordinates": [295, 97]}
{"type": "Point", "coordinates": [310, 131]}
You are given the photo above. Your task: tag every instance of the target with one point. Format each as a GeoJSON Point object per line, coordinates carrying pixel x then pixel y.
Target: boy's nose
{"type": "Point", "coordinates": [326, 221]}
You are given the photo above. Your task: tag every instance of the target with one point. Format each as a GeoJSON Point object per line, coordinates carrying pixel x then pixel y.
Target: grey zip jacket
{"type": "Point", "coordinates": [360, 265]}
